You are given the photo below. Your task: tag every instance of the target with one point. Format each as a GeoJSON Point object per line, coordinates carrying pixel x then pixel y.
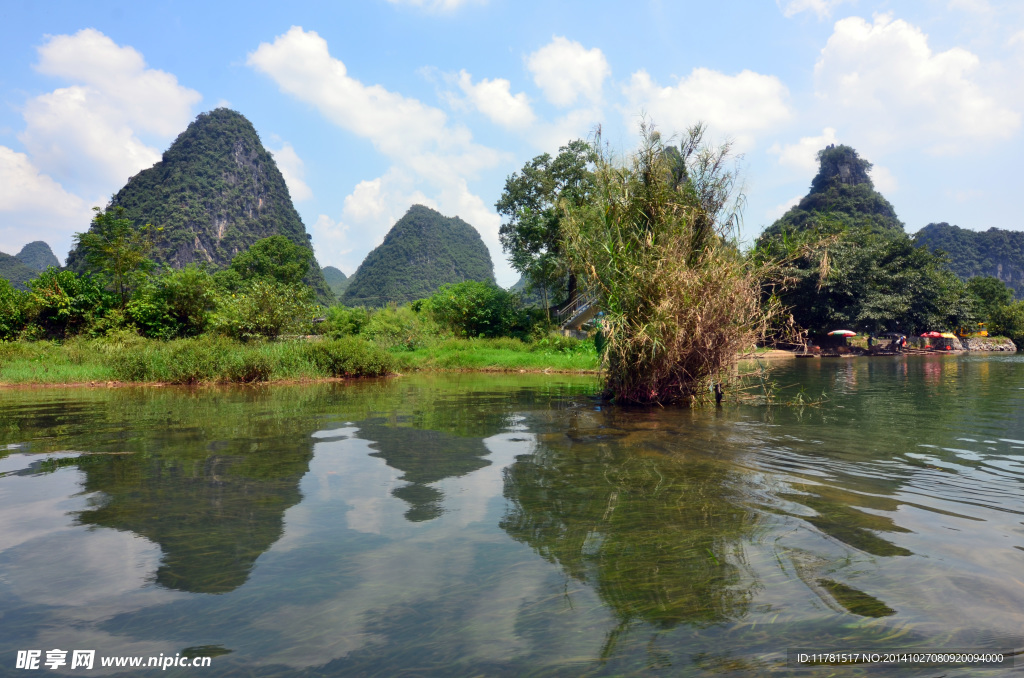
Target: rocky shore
{"type": "Point", "coordinates": [985, 344]}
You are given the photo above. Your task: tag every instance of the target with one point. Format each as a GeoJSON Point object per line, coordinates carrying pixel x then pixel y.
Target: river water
{"type": "Point", "coordinates": [511, 525]}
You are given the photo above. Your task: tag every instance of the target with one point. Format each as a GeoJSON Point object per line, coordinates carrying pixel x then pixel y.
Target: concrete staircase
{"type": "Point", "coordinates": [579, 311]}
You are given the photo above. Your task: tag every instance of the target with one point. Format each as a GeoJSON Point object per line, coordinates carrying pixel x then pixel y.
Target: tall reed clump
{"type": "Point", "coordinates": [657, 246]}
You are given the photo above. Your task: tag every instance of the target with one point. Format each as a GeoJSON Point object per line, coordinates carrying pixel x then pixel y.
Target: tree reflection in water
{"type": "Point", "coordinates": [658, 534]}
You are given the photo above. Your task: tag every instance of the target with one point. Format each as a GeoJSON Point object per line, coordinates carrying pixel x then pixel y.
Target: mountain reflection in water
{"type": "Point", "coordinates": [504, 525]}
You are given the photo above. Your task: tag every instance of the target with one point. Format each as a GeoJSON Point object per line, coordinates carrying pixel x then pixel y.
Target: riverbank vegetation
{"type": "Point", "coordinates": [649, 240]}
{"type": "Point", "coordinates": [257, 322]}
{"type": "Point", "coordinates": [129, 358]}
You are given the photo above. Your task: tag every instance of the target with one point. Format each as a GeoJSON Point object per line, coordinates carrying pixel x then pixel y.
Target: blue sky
{"type": "Point", "coordinates": [372, 106]}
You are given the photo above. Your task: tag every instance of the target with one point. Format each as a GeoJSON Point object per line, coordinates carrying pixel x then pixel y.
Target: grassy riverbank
{"type": "Point", "coordinates": [210, 359]}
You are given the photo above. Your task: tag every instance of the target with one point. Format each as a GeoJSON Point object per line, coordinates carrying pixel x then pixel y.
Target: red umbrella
{"type": "Point", "coordinates": [842, 333]}
{"type": "Point", "coordinates": [932, 335]}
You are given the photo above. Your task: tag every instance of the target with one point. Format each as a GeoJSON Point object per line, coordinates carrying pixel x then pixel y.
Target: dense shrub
{"type": "Point", "coordinates": [557, 343]}
{"type": "Point", "coordinates": [248, 367]}
{"type": "Point", "coordinates": [341, 321]}
{"type": "Point", "coordinates": [265, 310]}
{"type": "Point", "coordinates": [477, 309]}
{"type": "Point", "coordinates": [655, 247]}
{"type": "Point", "coordinates": [187, 361]}
{"type": "Point", "coordinates": [177, 303]}
{"type": "Point", "coordinates": [62, 303]}
{"type": "Point", "coordinates": [13, 304]}
{"type": "Point", "coordinates": [349, 357]}
{"type": "Point", "coordinates": [400, 327]}
{"type": "Point", "coordinates": [220, 359]}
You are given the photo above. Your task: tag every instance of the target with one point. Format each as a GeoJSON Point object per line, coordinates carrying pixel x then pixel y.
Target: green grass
{"type": "Point", "coordinates": [46, 362]}
{"type": "Point", "coordinates": [555, 353]}
{"type": "Point", "coordinates": [205, 359]}
{"type": "Point", "coordinates": [125, 357]}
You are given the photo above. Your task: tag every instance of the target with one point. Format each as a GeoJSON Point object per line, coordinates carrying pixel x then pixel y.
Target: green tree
{"type": "Point", "coordinates": [421, 252]}
{"type": "Point", "coordinates": [842, 190]}
{"type": "Point", "coordinates": [1008, 321]}
{"type": "Point", "coordinates": [992, 253]}
{"type": "Point", "coordinates": [13, 304]}
{"type": "Point", "coordinates": [840, 166]}
{"type": "Point", "coordinates": [177, 303]}
{"type": "Point", "coordinates": [215, 192]}
{"type": "Point", "coordinates": [857, 278]}
{"type": "Point", "coordinates": [534, 203]}
{"type": "Point", "coordinates": [341, 321]}
{"type": "Point", "coordinates": [989, 293]}
{"type": "Point", "coordinates": [117, 251]}
{"type": "Point", "coordinates": [62, 303]}
{"type": "Point", "coordinates": [275, 259]}
{"type": "Point", "coordinates": [265, 309]}
{"type": "Point", "coordinates": [476, 309]}
{"type": "Point", "coordinates": [847, 262]}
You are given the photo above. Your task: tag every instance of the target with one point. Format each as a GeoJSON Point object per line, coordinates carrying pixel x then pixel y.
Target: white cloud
{"type": "Point", "coordinates": [35, 207]}
{"type": "Point", "coordinates": [740, 106]}
{"type": "Point", "coordinates": [803, 155]}
{"type": "Point", "coordinates": [294, 171]}
{"type": "Point", "coordinates": [432, 159]}
{"type": "Point", "coordinates": [821, 8]}
{"type": "Point", "coordinates": [151, 100]}
{"type": "Point", "coordinates": [884, 180]}
{"type": "Point", "coordinates": [772, 214]}
{"type": "Point", "coordinates": [494, 99]}
{"type": "Point", "coordinates": [579, 123]}
{"type": "Point", "coordinates": [566, 71]}
{"type": "Point", "coordinates": [79, 139]}
{"type": "Point", "coordinates": [86, 138]}
{"type": "Point", "coordinates": [966, 195]}
{"type": "Point", "coordinates": [365, 201]}
{"type": "Point", "coordinates": [883, 81]}
{"type": "Point", "coordinates": [87, 135]}
{"type": "Point", "coordinates": [301, 65]}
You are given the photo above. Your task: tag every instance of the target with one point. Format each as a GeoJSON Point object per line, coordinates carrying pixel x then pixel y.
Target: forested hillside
{"type": "Point", "coordinates": [37, 255]}
{"type": "Point", "coordinates": [843, 190]}
{"type": "Point", "coordinates": [995, 252]}
{"type": "Point", "coordinates": [849, 264]}
{"type": "Point", "coordinates": [26, 264]}
{"type": "Point", "coordinates": [216, 191]}
{"type": "Point", "coordinates": [423, 251]}
{"type": "Point", "coordinates": [16, 271]}
{"type": "Point", "coordinates": [336, 280]}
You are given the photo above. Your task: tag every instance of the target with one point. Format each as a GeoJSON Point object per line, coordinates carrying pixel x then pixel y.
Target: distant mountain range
{"type": "Point", "coordinates": [27, 264]}
{"type": "Point", "coordinates": [995, 252]}
{"type": "Point", "coordinates": [214, 193]}
{"type": "Point", "coordinates": [423, 251]}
